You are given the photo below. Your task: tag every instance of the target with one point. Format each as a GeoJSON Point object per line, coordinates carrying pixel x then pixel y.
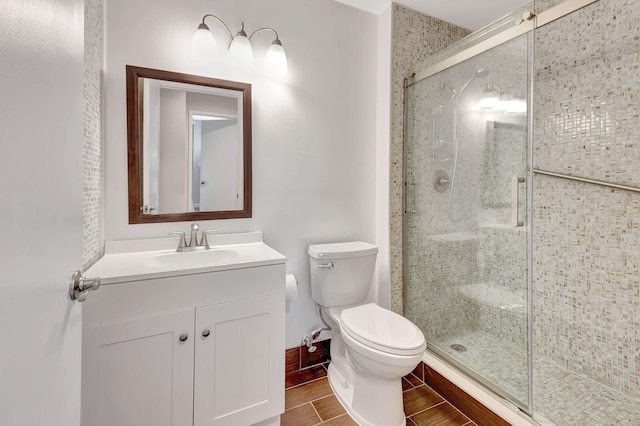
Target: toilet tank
{"type": "Point", "coordinates": [341, 273]}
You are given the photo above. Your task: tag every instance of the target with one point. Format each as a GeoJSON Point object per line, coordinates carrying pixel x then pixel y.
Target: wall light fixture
{"type": "Point", "coordinates": [500, 99]}
{"type": "Point", "coordinates": [240, 49]}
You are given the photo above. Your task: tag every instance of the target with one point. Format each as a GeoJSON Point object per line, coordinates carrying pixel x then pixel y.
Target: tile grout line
{"type": "Point", "coordinates": [427, 409]}
{"type": "Point", "coordinates": [305, 403]}
{"type": "Point", "coordinates": [459, 411]}
{"type": "Point", "coordinates": [305, 383]}
{"type": "Point", "coordinates": [450, 403]}
{"type": "Point", "coordinates": [335, 417]}
{"type": "Point", "coordinates": [316, 411]}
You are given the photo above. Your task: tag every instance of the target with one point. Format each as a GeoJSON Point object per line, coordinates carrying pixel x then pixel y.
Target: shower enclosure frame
{"type": "Point", "coordinates": [526, 24]}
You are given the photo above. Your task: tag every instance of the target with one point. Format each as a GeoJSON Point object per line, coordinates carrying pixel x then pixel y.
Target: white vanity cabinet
{"type": "Point", "coordinates": [138, 372]}
{"type": "Point", "coordinates": [195, 349]}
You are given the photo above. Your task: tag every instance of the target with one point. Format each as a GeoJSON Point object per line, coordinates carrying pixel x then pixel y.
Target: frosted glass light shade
{"type": "Point", "coordinates": [276, 59]}
{"type": "Point", "coordinates": [203, 42]}
{"type": "Point", "coordinates": [241, 51]}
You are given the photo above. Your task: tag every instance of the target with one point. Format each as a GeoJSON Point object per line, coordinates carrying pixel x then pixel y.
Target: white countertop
{"type": "Point", "coordinates": [136, 260]}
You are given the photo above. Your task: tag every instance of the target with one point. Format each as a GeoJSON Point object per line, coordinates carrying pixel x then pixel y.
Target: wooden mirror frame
{"type": "Point", "coordinates": [133, 75]}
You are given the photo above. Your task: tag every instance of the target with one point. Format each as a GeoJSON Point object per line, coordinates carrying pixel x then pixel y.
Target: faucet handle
{"type": "Point", "coordinates": [182, 243]}
{"type": "Point", "coordinates": [203, 241]}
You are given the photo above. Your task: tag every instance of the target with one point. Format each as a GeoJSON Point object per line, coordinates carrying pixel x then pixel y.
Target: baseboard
{"type": "Point", "coordinates": [303, 366]}
{"type": "Point", "coordinates": [459, 398]}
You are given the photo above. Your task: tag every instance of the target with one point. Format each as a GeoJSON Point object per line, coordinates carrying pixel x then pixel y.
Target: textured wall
{"type": "Point", "coordinates": [415, 36]}
{"type": "Point", "coordinates": [587, 238]}
{"type": "Point", "coordinates": [92, 150]}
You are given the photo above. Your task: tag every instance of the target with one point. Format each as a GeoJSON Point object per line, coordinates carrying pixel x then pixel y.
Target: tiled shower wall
{"type": "Point", "coordinates": [415, 36]}
{"type": "Point", "coordinates": [586, 267]}
{"type": "Point", "coordinates": [92, 173]}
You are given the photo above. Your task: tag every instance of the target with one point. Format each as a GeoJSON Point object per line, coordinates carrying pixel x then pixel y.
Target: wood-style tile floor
{"type": "Point", "coordinates": [309, 401]}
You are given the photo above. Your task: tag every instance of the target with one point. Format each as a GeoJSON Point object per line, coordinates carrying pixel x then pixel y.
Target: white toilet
{"type": "Point", "coordinates": [372, 348]}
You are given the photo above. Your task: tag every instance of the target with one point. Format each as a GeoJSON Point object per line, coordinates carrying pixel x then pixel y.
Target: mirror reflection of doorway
{"type": "Point", "coordinates": [214, 163]}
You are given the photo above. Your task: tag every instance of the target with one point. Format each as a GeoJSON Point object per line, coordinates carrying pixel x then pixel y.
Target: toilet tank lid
{"type": "Point", "coordinates": [342, 250]}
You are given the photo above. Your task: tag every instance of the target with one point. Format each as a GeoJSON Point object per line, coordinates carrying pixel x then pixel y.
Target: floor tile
{"type": "Point", "coordinates": [443, 414]}
{"type": "Point", "coordinates": [306, 393]}
{"type": "Point", "coordinates": [302, 376]}
{"type": "Point", "coordinates": [413, 380]}
{"type": "Point", "coordinates": [406, 385]}
{"type": "Point", "coordinates": [418, 399]}
{"type": "Point", "coordinates": [328, 407]}
{"type": "Point", "coordinates": [344, 420]}
{"type": "Point", "coordinates": [303, 415]}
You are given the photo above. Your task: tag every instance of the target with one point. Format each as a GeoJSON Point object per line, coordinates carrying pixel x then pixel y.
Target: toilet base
{"type": "Point", "coordinates": [388, 394]}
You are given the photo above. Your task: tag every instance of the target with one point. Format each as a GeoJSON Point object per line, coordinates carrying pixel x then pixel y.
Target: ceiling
{"type": "Point", "coordinates": [471, 14]}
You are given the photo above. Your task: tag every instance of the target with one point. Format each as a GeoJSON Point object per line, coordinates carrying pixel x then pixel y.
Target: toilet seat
{"type": "Point", "coordinates": [381, 329]}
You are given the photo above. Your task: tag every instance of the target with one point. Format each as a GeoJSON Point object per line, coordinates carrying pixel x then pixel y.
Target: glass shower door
{"type": "Point", "coordinates": [467, 216]}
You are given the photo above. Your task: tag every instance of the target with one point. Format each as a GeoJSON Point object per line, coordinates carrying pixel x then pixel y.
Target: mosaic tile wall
{"type": "Point", "coordinates": [587, 238]}
{"type": "Point", "coordinates": [92, 173]}
{"type": "Point", "coordinates": [415, 36]}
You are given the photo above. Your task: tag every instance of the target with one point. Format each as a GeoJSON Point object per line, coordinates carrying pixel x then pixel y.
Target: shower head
{"type": "Point", "coordinates": [482, 72]}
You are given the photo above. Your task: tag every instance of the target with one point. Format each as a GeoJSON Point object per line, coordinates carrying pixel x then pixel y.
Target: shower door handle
{"type": "Point", "coordinates": [515, 196]}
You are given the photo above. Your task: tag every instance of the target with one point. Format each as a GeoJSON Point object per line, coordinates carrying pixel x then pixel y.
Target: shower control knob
{"type": "Point", "coordinates": [206, 332]}
{"type": "Point", "coordinates": [183, 337]}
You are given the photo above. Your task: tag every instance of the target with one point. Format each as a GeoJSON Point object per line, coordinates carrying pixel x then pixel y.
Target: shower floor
{"type": "Point", "coordinates": [499, 362]}
{"type": "Point", "coordinates": [561, 396]}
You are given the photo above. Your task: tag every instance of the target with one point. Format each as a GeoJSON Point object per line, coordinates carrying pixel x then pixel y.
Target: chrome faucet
{"type": "Point", "coordinates": [193, 239]}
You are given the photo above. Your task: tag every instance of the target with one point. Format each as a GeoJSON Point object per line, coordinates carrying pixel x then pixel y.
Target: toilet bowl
{"type": "Point", "coordinates": [372, 348]}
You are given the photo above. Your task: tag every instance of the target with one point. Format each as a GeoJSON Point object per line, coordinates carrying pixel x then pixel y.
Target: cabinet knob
{"type": "Point", "coordinates": [206, 332]}
{"type": "Point", "coordinates": [183, 337]}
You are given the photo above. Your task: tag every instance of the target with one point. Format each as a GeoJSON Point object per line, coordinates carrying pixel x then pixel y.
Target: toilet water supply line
{"type": "Point", "coordinates": [315, 333]}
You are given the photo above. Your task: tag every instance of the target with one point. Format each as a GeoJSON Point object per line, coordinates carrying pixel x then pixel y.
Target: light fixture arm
{"type": "Point", "coordinates": [266, 29]}
{"type": "Point", "coordinates": [204, 26]}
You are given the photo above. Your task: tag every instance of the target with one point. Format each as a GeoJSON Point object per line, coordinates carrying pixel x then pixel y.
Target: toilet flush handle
{"type": "Point", "coordinates": [326, 266]}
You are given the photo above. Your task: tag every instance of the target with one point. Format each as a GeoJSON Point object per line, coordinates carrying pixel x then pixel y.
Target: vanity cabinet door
{"type": "Point", "coordinates": [139, 372]}
{"type": "Point", "coordinates": [239, 362]}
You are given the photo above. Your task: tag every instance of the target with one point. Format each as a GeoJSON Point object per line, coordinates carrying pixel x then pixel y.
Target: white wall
{"type": "Point", "coordinates": [174, 155]}
{"type": "Point", "coordinates": [314, 130]}
{"type": "Point", "coordinates": [383, 136]}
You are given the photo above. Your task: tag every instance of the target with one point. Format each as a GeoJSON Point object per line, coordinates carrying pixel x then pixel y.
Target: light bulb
{"type": "Point", "coordinates": [240, 50]}
{"type": "Point", "coordinates": [275, 59]}
{"type": "Point", "coordinates": [203, 42]}
{"type": "Point", "coordinates": [488, 102]}
{"type": "Point", "coordinates": [519, 106]}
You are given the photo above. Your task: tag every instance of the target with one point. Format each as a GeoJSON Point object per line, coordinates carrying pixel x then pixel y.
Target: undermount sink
{"type": "Point", "coordinates": [193, 259]}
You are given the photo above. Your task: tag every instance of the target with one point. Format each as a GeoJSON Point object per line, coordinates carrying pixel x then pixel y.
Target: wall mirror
{"type": "Point", "coordinates": [189, 147]}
